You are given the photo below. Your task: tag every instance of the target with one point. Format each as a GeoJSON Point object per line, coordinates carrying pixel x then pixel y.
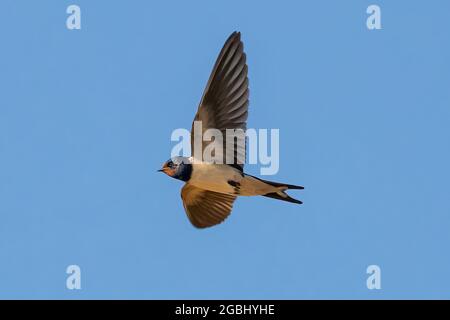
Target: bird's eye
{"type": "Point", "coordinates": [170, 164]}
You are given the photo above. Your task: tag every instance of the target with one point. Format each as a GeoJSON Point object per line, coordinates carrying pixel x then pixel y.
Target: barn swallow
{"type": "Point", "coordinates": [210, 188]}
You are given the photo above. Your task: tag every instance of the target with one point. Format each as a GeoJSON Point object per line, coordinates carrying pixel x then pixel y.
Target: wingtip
{"type": "Point", "coordinates": [235, 35]}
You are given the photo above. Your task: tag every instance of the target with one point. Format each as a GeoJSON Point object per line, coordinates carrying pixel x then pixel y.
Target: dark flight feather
{"type": "Point", "coordinates": [225, 101]}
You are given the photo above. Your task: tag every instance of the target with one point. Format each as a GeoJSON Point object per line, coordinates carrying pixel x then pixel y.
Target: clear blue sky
{"type": "Point", "coordinates": [86, 118]}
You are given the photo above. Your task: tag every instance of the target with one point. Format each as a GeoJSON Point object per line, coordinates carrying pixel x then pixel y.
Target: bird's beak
{"type": "Point", "coordinates": [163, 169]}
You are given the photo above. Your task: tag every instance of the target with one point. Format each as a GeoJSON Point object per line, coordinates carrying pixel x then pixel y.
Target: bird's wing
{"type": "Point", "coordinates": [206, 208]}
{"type": "Point", "coordinates": [224, 104]}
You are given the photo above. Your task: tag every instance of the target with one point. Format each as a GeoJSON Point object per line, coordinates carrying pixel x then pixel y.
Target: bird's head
{"type": "Point", "coordinates": [179, 168]}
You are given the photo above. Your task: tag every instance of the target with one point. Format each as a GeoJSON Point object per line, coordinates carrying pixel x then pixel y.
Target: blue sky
{"type": "Point", "coordinates": [86, 117]}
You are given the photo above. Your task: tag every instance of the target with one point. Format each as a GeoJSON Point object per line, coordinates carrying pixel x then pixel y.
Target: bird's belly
{"type": "Point", "coordinates": [214, 177]}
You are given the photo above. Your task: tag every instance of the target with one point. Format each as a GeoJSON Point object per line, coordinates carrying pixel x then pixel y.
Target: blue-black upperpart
{"type": "Point", "coordinates": [183, 172]}
{"type": "Point", "coordinates": [179, 168]}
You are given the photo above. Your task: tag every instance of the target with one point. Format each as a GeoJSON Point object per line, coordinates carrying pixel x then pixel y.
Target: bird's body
{"type": "Point", "coordinates": [215, 177]}
{"type": "Point", "coordinates": [223, 178]}
{"type": "Point", "coordinates": [211, 188]}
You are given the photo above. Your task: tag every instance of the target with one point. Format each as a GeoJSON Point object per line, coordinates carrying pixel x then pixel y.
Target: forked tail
{"type": "Point", "coordinates": [281, 194]}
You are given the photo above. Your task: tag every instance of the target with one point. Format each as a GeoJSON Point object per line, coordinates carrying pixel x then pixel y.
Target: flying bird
{"type": "Point", "coordinates": [211, 188]}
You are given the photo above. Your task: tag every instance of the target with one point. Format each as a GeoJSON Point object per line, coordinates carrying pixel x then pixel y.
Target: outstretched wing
{"type": "Point", "coordinates": [206, 208]}
{"type": "Point", "coordinates": [224, 104]}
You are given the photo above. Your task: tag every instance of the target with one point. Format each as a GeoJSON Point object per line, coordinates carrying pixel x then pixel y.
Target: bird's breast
{"type": "Point", "coordinates": [215, 177]}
